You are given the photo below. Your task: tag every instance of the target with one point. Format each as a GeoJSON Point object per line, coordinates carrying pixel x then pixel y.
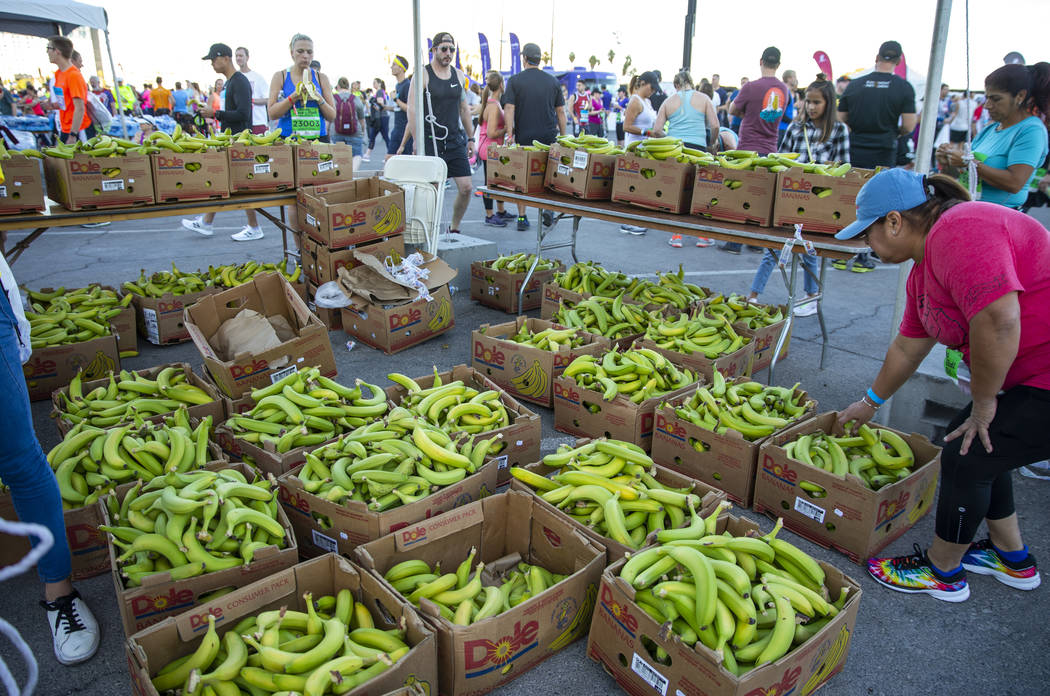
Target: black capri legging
{"type": "Point", "coordinates": [979, 485]}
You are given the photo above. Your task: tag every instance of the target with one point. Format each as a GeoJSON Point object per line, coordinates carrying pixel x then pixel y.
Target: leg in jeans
{"type": "Point", "coordinates": [811, 274]}
{"type": "Point", "coordinates": [765, 267]}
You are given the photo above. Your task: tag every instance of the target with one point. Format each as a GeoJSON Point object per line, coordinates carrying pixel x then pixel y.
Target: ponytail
{"type": "Point", "coordinates": [1039, 95]}
{"type": "Point", "coordinates": [942, 193]}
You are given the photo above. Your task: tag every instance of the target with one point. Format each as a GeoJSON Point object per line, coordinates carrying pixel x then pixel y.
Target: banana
{"type": "Point", "coordinates": [202, 657]}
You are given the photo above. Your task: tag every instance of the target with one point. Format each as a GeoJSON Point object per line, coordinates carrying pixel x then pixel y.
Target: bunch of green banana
{"type": "Point", "coordinates": [90, 462]}
{"type": "Point", "coordinates": [877, 456]}
{"type": "Point", "coordinates": [6, 154]}
{"type": "Point", "coordinates": [305, 409]}
{"type": "Point", "coordinates": [332, 647]}
{"type": "Point", "coordinates": [750, 599]}
{"type": "Point", "coordinates": [63, 316]}
{"type": "Point", "coordinates": [128, 396]}
{"type": "Point", "coordinates": [589, 278]}
{"type": "Point", "coordinates": [453, 407]}
{"type": "Point", "coordinates": [670, 289]}
{"type": "Point", "coordinates": [521, 262]}
{"type": "Point", "coordinates": [174, 282]}
{"type": "Point", "coordinates": [609, 317]}
{"type": "Point", "coordinates": [752, 409]}
{"type": "Point", "coordinates": [736, 308]}
{"type": "Point", "coordinates": [246, 137]}
{"type": "Point", "coordinates": [696, 333]}
{"type": "Point", "coordinates": [590, 143]}
{"type": "Point", "coordinates": [230, 275]}
{"type": "Point", "coordinates": [391, 462]}
{"type": "Point", "coordinates": [548, 339]}
{"type": "Point", "coordinates": [99, 146]}
{"type": "Point", "coordinates": [460, 596]}
{"type": "Point", "coordinates": [637, 374]}
{"type": "Point", "coordinates": [535, 146]}
{"type": "Point", "coordinates": [610, 486]}
{"type": "Point", "coordinates": [191, 523]}
{"type": "Point", "coordinates": [658, 148]}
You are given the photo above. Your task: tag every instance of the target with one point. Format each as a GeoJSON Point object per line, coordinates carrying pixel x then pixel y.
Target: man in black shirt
{"type": "Point", "coordinates": [237, 115]}
{"type": "Point", "coordinates": [400, 106]}
{"type": "Point", "coordinates": [533, 109]}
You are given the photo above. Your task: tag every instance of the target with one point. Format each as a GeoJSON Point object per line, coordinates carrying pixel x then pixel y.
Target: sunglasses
{"type": "Point", "coordinates": [447, 49]}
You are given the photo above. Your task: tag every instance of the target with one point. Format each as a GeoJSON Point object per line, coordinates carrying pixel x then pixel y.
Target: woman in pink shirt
{"type": "Point", "coordinates": [492, 131]}
{"type": "Point", "coordinates": [981, 287]}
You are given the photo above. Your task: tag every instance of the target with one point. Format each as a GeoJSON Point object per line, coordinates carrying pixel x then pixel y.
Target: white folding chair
{"type": "Point", "coordinates": [423, 179]}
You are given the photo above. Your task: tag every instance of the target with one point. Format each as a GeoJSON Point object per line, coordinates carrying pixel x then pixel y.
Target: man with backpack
{"type": "Point", "coordinates": [349, 123]}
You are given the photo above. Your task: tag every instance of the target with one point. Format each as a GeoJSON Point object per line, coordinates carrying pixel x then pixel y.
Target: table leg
{"type": "Point", "coordinates": [284, 234]}
{"type": "Point", "coordinates": [820, 312]}
{"type": "Point", "coordinates": [21, 245]}
{"type": "Point", "coordinates": [786, 330]}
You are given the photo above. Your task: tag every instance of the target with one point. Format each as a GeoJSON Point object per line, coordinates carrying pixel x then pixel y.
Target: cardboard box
{"type": "Point", "coordinates": [322, 163]}
{"type": "Point", "coordinates": [579, 173]}
{"type": "Point", "coordinates": [351, 212]}
{"type": "Point", "coordinates": [797, 201]}
{"type": "Point", "coordinates": [619, 626]}
{"type": "Point", "coordinates": [321, 264]}
{"type": "Point", "coordinates": [190, 176]}
{"type": "Point", "coordinates": [151, 649]}
{"type": "Point", "coordinates": [765, 340]}
{"type": "Point", "coordinates": [515, 169]}
{"type": "Point", "coordinates": [232, 407]}
{"type": "Point", "coordinates": [261, 168]}
{"type": "Point", "coordinates": [751, 202]}
{"type": "Point", "coordinates": [728, 461]}
{"type": "Point", "coordinates": [89, 183]}
{"type": "Point", "coordinates": [478, 658]}
{"type": "Point", "coordinates": [268, 294]}
{"type": "Point", "coordinates": [499, 288]}
{"type": "Point", "coordinates": [215, 409]}
{"type": "Point", "coordinates": [665, 185]}
{"type": "Point", "coordinates": [524, 370]}
{"type": "Point", "coordinates": [331, 318]}
{"type": "Point", "coordinates": [322, 526]}
{"type": "Point", "coordinates": [122, 326]}
{"type": "Point", "coordinates": [160, 320]}
{"type": "Point", "coordinates": [851, 518]}
{"type": "Point", "coordinates": [53, 367]}
{"type": "Point", "coordinates": [263, 456]}
{"type": "Point", "coordinates": [736, 364]}
{"type": "Point", "coordinates": [23, 188]}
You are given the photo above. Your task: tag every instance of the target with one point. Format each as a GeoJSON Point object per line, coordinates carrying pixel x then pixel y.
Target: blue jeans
{"type": "Point", "coordinates": [356, 142]}
{"type": "Point", "coordinates": [769, 262]}
{"type": "Point", "coordinates": [23, 467]}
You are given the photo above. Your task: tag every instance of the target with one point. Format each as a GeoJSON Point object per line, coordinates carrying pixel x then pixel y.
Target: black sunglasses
{"type": "Point", "coordinates": [447, 49]}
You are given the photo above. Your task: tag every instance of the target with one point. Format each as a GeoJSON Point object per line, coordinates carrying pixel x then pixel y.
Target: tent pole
{"type": "Point", "coordinates": [417, 141]}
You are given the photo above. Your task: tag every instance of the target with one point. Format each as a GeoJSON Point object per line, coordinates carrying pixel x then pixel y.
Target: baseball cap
{"type": "Point", "coordinates": [532, 53]}
{"type": "Point", "coordinates": [443, 37]}
{"type": "Point", "coordinates": [218, 50]}
{"type": "Point", "coordinates": [771, 56]}
{"type": "Point", "coordinates": [891, 189]}
{"type": "Point", "coordinates": [890, 50]}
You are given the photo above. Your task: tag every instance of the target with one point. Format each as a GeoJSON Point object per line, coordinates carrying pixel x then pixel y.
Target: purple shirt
{"type": "Point", "coordinates": [763, 102]}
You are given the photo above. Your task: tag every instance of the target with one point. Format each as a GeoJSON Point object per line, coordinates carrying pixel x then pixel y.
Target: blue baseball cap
{"type": "Point", "coordinates": [891, 189]}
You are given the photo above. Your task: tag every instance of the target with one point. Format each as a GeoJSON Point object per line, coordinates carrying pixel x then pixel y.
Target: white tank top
{"type": "Point", "coordinates": [644, 120]}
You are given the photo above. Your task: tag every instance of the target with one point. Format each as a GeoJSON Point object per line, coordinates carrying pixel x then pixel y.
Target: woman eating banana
{"type": "Point", "coordinates": [981, 286]}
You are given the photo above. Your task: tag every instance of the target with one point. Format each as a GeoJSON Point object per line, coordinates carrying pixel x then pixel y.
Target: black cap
{"type": "Point", "coordinates": [771, 56]}
{"type": "Point", "coordinates": [890, 50]}
{"type": "Point", "coordinates": [217, 51]}
{"type": "Point", "coordinates": [532, 53]}
{"type": "Point", "coordinates": [443, 37]}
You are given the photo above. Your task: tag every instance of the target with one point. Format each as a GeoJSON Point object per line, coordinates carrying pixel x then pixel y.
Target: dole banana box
{"type": "Point", "coordinates": [499, 288]}
{"type": "Point", "coordinates": [710, 497]}
{"type": "Point", "coordinates": [351, 212]}
{"type": "Point", "coordinates": [122, 326]}
{"type": "Point", "coordinates": [765, 340]}
{"type": "Point", "coordinates": [160, 319]}
{"type": "Point", "coordinates": [841, 512]}
{"type": "Point", "coordinates": [515, 169]}
{"type": "Point", "coordinates": [724, 460]}
{"type": "Point", "coordinates": [623, 640]}
{"type": "Point", "coordinates": [321, 264]}
{"type": "Point", "coordinates": [521, 437]}
{"type": "Point", "coordinates": [52, 367]}
{"type": "Point", "coordinates": [664, 185]}
{"type": "Point", "coordinates": [523, 370]}
{"type": "Point", "coordinates": [22, 190]}
{"type": "Point", "coordinates": [503, 529]}
{"type": "Point", "coordinates": [735, 364]}
{"type": "Point", "coordinates": [579, 173]}
{"type": "Point", "coordinates": [331, 318]}
{"type": "Point", "coordinates": [322, 163]}
{"type": "Point", "coordinates": [270, 295]}
{"type": "Point", "coordinates": [261, 168]}
{"type": "Point", "coordinates": [149, 650]}
{"type": "Point", "coordinates": [819, 203]}
{"type": "Point", "coordinates": [734, 195]}
{"type": "Point", "coordinates": [190, 176]}
{"type": "Point", "coordinates": [92, 183]}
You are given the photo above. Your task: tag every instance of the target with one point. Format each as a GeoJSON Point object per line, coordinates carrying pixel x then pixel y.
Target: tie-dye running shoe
{"type": "Point", "coordinates": [983, 559]}
{"type": "Point", "coordinates": [915, 574]}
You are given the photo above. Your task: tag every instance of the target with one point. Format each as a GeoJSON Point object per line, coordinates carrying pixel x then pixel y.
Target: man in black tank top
{"type": "Point", "coordinates": [447, 120]}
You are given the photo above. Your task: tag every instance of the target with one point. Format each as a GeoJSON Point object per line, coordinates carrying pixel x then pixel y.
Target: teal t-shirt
{"type": "Point", "coordinates": [1021, 143]}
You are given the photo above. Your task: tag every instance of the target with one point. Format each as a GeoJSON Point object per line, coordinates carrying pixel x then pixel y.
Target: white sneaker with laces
{"type": "Point", "coordinates": [247, 234]}
{"type": "Point", "coordinates": [806, 309]}
{"type": "Point", "coordinates": [197, 225]}
{"type": "Point", "coordinates": [73, 628]}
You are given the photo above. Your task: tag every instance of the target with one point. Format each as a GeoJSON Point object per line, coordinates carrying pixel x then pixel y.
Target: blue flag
{"type": "Point", "coordinates": [515, 55]}
{"type": "Point", "coordinates": [486, 62]}
{"type": "Point", "coordinates": [430, 45]}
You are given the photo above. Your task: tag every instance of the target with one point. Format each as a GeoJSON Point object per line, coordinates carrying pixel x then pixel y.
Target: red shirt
{"type": "Point", "coordinates": [581, 102]}
{"type": "Point", "coordinates": [70, 85]}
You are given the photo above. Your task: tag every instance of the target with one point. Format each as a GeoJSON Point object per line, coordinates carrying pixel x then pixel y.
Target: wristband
{"type": "Point", "coordinates": [875, 399]}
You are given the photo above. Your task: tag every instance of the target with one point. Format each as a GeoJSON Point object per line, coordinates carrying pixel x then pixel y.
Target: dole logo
{"type": "Point", "coordinates": [83, 537]}
{"type": "Point", "coordinates": [621, 613]}
{"type": "Point", "coordinates": [800, 185]}
{"type": "Point", "coordinates": [672, 428]}
{"type": "Point", "coordinates": [170, 162]}
{"type": "Point", "coordinates": [413, 536]}
{"type": "Point", "coordinates": [38, 367]}
{"type": "Point", "coordinates": [200, 621]}
{"type": "Point", "coordinates": [341, 220]}
{"type": "Point", "coordinates": [401, 320]}
{"type": "Point", "coordinates": [710, 175]}
{"type": "Point", "coordinates": [781, 688]}
{"type": "Point", "coordinates": [537, 166]}
{"type": "Point", "coordinates": [565, 392]}
{"type": "Point", "coordinates": [552, 537]}
{"type": "Point", "coordinates": [240, 155]}
{"type": "Point", "coordinates": [308, 154]}
{"type": "Point", "coordinates": [779, 470]}
{"type": "Point", "coordinates": [601, 171]}
{"type": "Point", "coordinates": [76, 167]}
{"type": "Point", "coordinates": [625, 165]}
{"type": "Point", "coordinates": [647, 424]}
{"type": "Point", "coordinates": [551, 293]}
{"type": "Point", "coordinates": [254, 367]}
{"type": "Point", "coordinates": [488, 655]}
{"type": "Point", "coordinates": [888, 509]}
{"type": "Point", "coordinates": [166, 307]}
{"type": "Point", "coordinates": [145, 605]}
{"type": "Point", "coordinates": [297, 502]}
{"type": "Point", "coordinates": [490, 356]}
{"type": "Point", "coordinates": [562, 360]}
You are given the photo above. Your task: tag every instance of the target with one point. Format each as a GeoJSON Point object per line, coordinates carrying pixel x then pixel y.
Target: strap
{"type": "Point", "coordinates": [805, 137]}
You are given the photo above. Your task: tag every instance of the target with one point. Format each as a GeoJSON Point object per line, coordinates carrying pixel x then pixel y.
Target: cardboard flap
{"type": "Point", "coordinates": [373, 281]}
{"type": "Point", "coordinates": [442, 526]}
{"type": "Point", "coordinates": [278, 585]}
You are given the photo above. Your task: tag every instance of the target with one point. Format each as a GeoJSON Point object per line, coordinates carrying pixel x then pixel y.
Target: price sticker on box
{"type": "Point", "coordinates": [149, 318]}
{"type": "Point", "coordinates": [564, 170]}
{"type": "Point", "coordinates": [325, 166]}
{"type": "Point", "coordinates": [649, 675]}
{"type": "Point", "coordinates": [579, 159]}
{"type": "Point", "coordinates": [112, 185]}
{"type": "Point", "coordinates": [324, 542]}
{"type": "Point", "coordinates": [278, 375]}
{"type": "Point", "coordinates": [261, 168]}
{"type": "Point", "coordinates": [813, 512]}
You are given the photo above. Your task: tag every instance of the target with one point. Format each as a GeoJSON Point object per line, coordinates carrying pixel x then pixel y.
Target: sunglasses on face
{"type": "Point", "coordinates": [447, 49]}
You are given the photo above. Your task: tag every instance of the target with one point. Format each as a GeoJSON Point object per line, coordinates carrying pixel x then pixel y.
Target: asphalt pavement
{"type": "Point", "coordinates": [902, 644]}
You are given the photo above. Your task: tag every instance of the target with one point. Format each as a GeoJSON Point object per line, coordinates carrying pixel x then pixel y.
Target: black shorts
{"type": "Point", "coordinates": [619, 131]}
{"type": "Point", "coordinates": [454, 154]}
{"type": "Point", "coordinates": [956, 136]}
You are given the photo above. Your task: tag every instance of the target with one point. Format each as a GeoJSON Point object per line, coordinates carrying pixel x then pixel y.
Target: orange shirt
{"type": "Point", "coordinates": [161, 97]}
{"type": "Point", "coordinates": [70, 85]}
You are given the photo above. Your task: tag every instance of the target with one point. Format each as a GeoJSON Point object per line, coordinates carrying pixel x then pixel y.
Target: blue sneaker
{"type": "Point", "coordinates": [523, 223]}
{"type": "Point", "coordinates": [984, 559]}
{"type": "Point", "coordinates": [495, 221]}
{"type": "Point", "coordinates": [915, 574]}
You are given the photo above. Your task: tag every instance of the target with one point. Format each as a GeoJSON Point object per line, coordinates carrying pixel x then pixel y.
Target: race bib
{"type": "Point", "coordinates": [306, 122]}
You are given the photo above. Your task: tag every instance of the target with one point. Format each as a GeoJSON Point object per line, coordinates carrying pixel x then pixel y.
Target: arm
{"type": "Point", "coordinates": [327, 104]}
{"type": "Point", "coordinates": [242, 100]}
{"type": "Point", "coordinates": [277, 105]}
{"type": "Point", "coordinates": [634, 107]}
{"type": "Point", "coordinates": [78, 116]}
{"type": "Point", "coordinates": [902, 359]}
{"type": "Point", "coordinates": [508, 119]}
{"type": "Point", "coordinates": [1012, 179]}
{"type": "Point", "coordinates": [661, 118]}
{"type": "Point", "coordinates": [908, 122]}
{"type": "Point", "coordinates": [492, 129]}
{"type": "Point", "coordinates": [711, 116]}
{"type": "Point", "coordinates": [410, 129]}
{"type": "Point", "coordinates": [735, 110]}
{"type": "Point", "coordinates": [559, 111]}
{"type": "Point", "coordinates": [466, 118]}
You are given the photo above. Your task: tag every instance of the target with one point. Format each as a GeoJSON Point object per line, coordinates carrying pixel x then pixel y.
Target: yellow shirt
{"type": "Point", "coordinates": [161, 97]}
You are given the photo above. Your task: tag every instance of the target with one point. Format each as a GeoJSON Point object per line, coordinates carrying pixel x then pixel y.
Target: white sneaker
{"type": "Point", "coordinates": [248, 234]}
{"type": "Point", "coordinates": [638, 231]}
{"type": "Point", "coordinates": [806, 309]}
{"type": "Point", "coordinates": [92, 225]}
{"type": "Point", "coordinates": [198, 226]}
{"type": "Point", "coordinates": [73, 628]}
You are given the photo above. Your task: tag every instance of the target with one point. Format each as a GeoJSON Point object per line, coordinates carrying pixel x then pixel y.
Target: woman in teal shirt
{"type": "Point", "coordinates": [1009, 149]}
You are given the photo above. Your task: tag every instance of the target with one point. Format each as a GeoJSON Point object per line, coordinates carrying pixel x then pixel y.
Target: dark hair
{"type": "Point", "coordinates": [342, 83]}
{"type": "Point", "coordinates": [827, 121]}
{"type": "Point", "coordinates": [382, 84]}
{"type": "Point", "coordinates": [402, 61]}
{"type": "Point", "coordinates": [649, 77]}
{"type": "Point", "coordinates": [942, 193]}
{"type": "Point", "coordinates": [159, 80]}
{"type": "Point", "coordinates": [707, 89]}
{"type": "Point", "coordinates": [493, 82]}
{"type": "Point", "coordinates": [63, 45]}
{"type": "Point", "coordinates": [1033, 80]}
{"type": "Point", "coordinates": [178, 85]}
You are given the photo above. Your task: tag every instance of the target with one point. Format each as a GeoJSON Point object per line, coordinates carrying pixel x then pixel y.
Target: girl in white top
{"type": "Point", "coordinates": [638, 119]}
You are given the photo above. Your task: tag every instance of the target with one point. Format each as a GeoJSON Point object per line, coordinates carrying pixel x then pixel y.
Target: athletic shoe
{"type": "Point", "coordinates": [523, 223]}
{"type": "Point", "coordinates": [637, 231]}
{"type": "Point", "coordinates": [862, 264]}
{"type": "Point", "coordinates": [548, 218]}
{"type": "Point", "coordinates": [625, 229]}
{"type": "Point", "coordinates": [198, 226]}
{"type": "Point", "coordinates": [247, 234]}
{"type": "Point", "coordinates": [495, 221]}
{"type": "Point", "coordinates": [366, 157]}
{"type": "Point", "coordinates": [984, 559]}
{"type": "Point", "coordinates": [478, 193]}
{"type": "Point", "coordinates": [915, 574]}
{"type": "Point", "coordinates": [73, 628]}
{"type": "Point", "coordinates": [704, 242]}
{"type": "Point", "coordinates": [840, 264]}
{"type": "Point", "coordinates": [756, 249]}
{"type": "Point", "coordinates": [806, 309]}
{"type": "Point", "coordinates": [732, 248]}
{"type": "Point", "coordinates": [504, 215]}
{"type": "Point", "coordinates": [675, 241]}
{"type": "Point", "coordinates": [92, 225]}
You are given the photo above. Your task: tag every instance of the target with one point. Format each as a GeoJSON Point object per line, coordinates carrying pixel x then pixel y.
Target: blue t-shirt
{"type": "Point", "coordinates": [607, 98]}
{"type": "Point", "coordinates": [181, 98]}
{"type": "Point", "coordinates": [1021, 143]}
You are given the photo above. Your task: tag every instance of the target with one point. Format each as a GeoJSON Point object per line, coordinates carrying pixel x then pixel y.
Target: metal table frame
{"type": "Point", "coordinates": [562, 207]}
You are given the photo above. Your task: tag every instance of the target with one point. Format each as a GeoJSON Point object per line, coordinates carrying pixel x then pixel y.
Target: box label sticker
{"type": "Point", "coordinates": [261, 168]}
{"type": "Point", "coordinates": [311, 220]}
{"type": "Point", "coordinates": [3, 192]}
{"type": "Point", "coordinates": [501, 461]}
{"type": "Point", "coordinates": [325, 166]}
{"type": "Point", "coordinates": [278, 375]}
{"type": "Point", "coordinates": [112, 184]}
{"type": "Point", "coordinates": [649, 675]}
{"type": "Point", "coordinates": [324, 542]}
{"type": "Point", "coordinates": [579, 159]}
{"type": "Point", "coordinates": [149, 318]}
{"type": "Point", "coordinates": [810, 510]}
{"type": "Point", "coordinates": [564, 170]}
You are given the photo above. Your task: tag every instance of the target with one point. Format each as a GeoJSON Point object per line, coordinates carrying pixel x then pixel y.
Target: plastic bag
{"type": "Point", "coordinates": [330, 296]}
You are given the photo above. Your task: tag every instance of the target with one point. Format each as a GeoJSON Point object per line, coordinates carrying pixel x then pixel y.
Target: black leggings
{"type": "Point", "coordinates": [979, 485]}
{"type": "Point", "coordinates": [485, 200]}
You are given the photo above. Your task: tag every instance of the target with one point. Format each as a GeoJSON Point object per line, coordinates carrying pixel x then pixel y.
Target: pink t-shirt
{"type": "Point", "coordinates": [763, 102]}
{"type": "Point", "coordinates": [483, 134]}
{"type": "Point", "coordinates": [974, 254]}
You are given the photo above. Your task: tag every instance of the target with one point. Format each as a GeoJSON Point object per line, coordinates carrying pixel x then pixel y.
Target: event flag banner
{"type": "Point", "coordinates": [515, 55]}
{"type": "Point", "coordinates": [824, 63]}
{"type": "Point", "coordinates": [486, 62]}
